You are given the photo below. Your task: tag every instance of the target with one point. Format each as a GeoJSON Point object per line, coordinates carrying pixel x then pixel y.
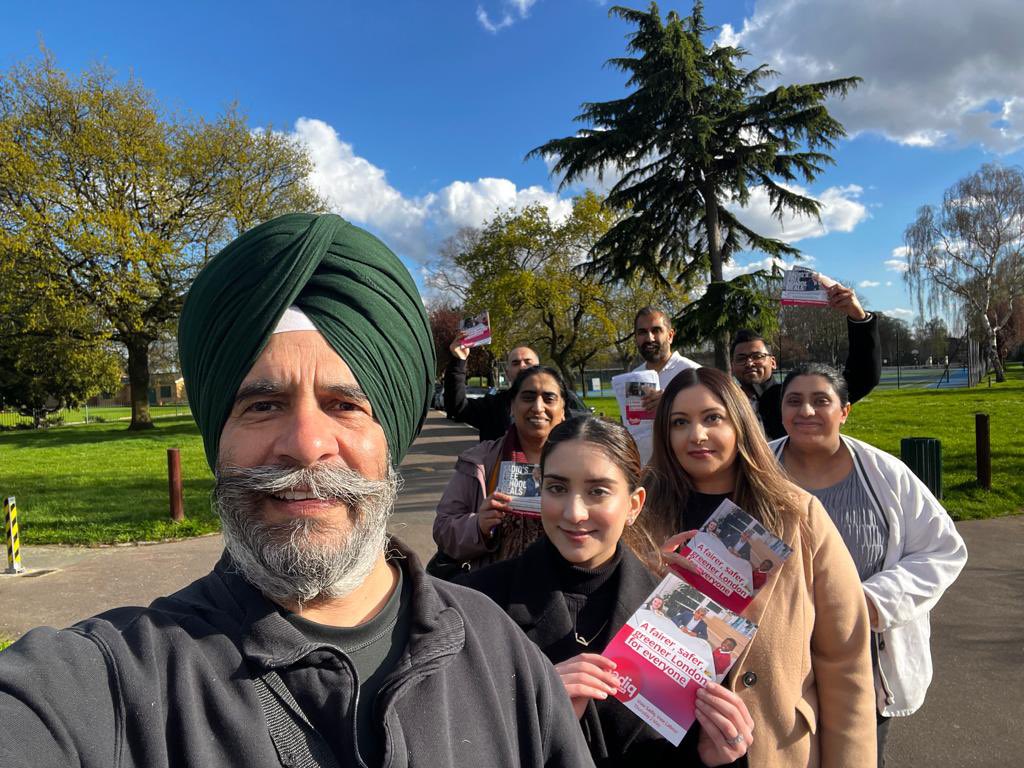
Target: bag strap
{"type": "Point", "coordinates": [298, 743]}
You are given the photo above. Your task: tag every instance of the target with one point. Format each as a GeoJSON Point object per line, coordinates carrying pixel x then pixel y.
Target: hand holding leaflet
{"type": "Point", "coordinates": [666, 652]}
{"type": "Point", "coordinates": [519, 482]}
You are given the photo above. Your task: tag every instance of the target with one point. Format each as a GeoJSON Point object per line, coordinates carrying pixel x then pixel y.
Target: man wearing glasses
{"type": "Point", "coordinates": [753, 364]}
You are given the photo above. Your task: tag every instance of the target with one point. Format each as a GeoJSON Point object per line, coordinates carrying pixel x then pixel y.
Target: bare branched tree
{"type": "Point", "coordinates": [968, 254]}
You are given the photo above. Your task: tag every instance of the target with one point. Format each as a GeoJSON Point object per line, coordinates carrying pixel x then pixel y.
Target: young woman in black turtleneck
{"type": "Point", "coordinates": [572, 590]}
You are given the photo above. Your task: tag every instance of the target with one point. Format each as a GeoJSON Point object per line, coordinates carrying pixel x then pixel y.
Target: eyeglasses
{"type": "Point", "coordinates": [753, 357]}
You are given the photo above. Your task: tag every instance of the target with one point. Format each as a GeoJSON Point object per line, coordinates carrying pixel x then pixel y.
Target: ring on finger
{"type": "Point", "coordinates": [735, 740]}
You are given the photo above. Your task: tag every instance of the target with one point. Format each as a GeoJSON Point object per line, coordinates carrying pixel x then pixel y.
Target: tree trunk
{"type": "Point", "coordinates": [721, 338]}
{"type": "Point", "coordinates": [138, 382]}
{"type": "Point", "coordinates": [993, 356]}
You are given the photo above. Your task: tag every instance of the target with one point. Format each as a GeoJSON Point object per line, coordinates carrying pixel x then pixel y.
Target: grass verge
{"type": "Point", "coordinates": [100, 484]}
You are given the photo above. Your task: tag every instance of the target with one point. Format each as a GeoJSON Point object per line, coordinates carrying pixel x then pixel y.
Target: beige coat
{"type": "Point", "coordinates": [806, 677]}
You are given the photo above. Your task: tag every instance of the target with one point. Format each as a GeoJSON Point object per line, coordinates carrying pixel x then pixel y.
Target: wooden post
{"type": "Point", "coordinates": [174, 484]}
{"type": "Point", "coordinates": [983, 449]}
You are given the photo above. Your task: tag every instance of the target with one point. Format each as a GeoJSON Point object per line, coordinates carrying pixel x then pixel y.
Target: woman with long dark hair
{"type": "Point", "coordinates": [475, 524]}
{"type": "Point", "coordinates": [806, 675]}
{"type": "Point", "coordinates": [573, 589]}
{"type": "Point", "coordinates": [904, 544]}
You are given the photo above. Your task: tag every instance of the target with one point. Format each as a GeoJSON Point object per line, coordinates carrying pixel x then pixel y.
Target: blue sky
{"type": "Point", "coordinates": [418, 114]}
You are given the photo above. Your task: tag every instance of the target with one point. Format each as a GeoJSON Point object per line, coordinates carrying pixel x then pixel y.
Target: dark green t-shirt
{"type": "Point", "coordinates": [374, 649]}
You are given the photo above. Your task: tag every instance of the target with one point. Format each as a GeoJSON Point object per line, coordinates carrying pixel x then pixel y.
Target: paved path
{"type": "Point", "coordinates": [971, 718]}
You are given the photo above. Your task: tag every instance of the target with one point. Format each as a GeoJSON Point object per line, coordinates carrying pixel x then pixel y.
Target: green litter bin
{"type": "Point", "coordinates": [924, 457]}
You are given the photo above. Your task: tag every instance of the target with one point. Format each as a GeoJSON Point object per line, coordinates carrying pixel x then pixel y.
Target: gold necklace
{"type": "Point", "coordinates": [581, 639]}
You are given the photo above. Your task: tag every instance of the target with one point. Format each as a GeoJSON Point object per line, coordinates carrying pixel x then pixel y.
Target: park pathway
{"type": "Point", "coordinates": [971, 718]}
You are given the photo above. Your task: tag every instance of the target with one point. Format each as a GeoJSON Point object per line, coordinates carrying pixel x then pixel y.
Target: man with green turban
{"type": "Point", "coordinates": [316, 640]}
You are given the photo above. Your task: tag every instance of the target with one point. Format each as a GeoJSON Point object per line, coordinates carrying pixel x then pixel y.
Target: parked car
{"type": "Point", "coordinates": [473, 393]}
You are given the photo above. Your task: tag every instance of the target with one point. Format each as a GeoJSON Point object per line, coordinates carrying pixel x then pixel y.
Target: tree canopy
{"type": "Point", "coordinates": [693, 138]}
{"type": "Point", "coordinates": [110, 204]}
{"type": "Point", "coordinates": [522, 268]}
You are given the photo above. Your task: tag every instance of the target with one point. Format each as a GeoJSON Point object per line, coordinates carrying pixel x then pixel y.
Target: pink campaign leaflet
{"type": "Point", "coordinates": [733, 556]}
{"type": "Point", "coordinates": [476, 331]}
{"type": "Point", "coordinates": [675, 643]}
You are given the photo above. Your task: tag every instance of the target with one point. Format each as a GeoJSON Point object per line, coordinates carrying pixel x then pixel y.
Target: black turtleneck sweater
{"type": "Point", "coordinates": [590, 595]}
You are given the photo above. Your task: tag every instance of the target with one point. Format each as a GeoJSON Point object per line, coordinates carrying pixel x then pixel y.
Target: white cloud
{"type": "Point", "coordinates": [935, 71]}
{"type": "Point", "coordinates": [898, 262]}
{"type": "Point", "coordinates": [888, 283]}
{"type": "Point", "coordinates": [359, 190]}
{"type": "Point", "coordinates": [900, 312]}
{"type": "Point", "coordinates": [868, 284]}
{"type": "Point", "coordinates": [841, 211]}
{"type": "Point", "coordinates": [515, 10]}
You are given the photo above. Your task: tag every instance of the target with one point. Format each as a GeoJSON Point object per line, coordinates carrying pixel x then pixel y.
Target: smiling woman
{"type": "Point", "coordinates": [807, 678]}
{"type": "Point", "coordinates": [903, 542]}
{"type": "Point", "coordinates": [475, 524]}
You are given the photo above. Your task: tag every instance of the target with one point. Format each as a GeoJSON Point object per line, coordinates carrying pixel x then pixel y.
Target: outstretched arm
{"type": "Point", "coordinates": [863, 369]}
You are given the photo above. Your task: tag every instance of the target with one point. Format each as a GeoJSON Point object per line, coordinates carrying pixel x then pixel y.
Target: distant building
{"type": "Point", "coordinates": [164, 389]}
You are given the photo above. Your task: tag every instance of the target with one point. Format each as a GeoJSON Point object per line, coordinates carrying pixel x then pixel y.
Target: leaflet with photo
{"type": "Point", "coordinates": [733, 556]}
{"type": "Point", "coordinates": [630, 389]}
{"type": "Point", "coordinates": [476, 331]}
{"type": "Point", "coordinates": [519, 481]}
{"type": "Point", "coordinates": [675, 643]}
{"type": "Point", "coordinates": [805, 287]}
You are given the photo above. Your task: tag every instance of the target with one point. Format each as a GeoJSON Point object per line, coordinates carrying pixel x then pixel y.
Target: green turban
{"type": "Point", "coordinates": [350, 286]}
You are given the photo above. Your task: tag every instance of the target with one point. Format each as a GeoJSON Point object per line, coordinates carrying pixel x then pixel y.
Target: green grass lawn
{"type": "Point", "coordinates": [884, 418]}
{"type": "Point", "coordinates": [102, 484]}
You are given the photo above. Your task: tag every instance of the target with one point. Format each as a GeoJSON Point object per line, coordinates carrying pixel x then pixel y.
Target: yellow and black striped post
{"type": "Point", "coordinates": [13, 545]}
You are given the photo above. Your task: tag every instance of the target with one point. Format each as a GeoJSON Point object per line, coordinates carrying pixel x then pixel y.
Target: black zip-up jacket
{"type": "Point", "coordinates": [187, 681]}
{"type": "Point", "coordinates": [863, 371]}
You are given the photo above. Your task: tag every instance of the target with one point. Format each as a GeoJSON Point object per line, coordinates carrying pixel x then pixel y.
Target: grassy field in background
{"type": "Point", "coordinates": [885, 417]}
{"type": "Point", "coordinates": [97, 414]}
{"type": "Point", "coordinates": [101, 484]}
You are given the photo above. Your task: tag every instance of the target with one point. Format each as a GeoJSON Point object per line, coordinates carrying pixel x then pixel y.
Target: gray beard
{"type": "Point", "coordinates": [305, 559]}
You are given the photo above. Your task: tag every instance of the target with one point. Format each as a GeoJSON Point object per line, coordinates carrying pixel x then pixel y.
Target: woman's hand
{"type": "Point", "coordinates": [726, 728]}
{"type": "Point", "coordinates": [492, 512]}
{"type": "Point", "coordinates": [587, 676]}
{"type": "Point", "coordinates": [670, 555]}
